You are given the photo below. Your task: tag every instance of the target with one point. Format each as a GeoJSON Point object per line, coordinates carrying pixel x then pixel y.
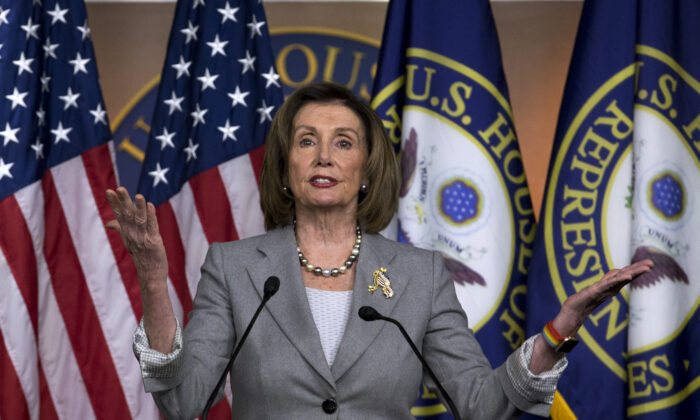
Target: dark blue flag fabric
{"type": "Point", "coordinates": [624, 178]}
{"type": "Point", "coordinates": [219, 91]}
{"type": "Point", "coordinates": [441, 92]}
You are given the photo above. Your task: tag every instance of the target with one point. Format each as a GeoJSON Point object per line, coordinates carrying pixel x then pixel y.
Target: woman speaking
{"type": "Point", "coordinates": [329, 183]}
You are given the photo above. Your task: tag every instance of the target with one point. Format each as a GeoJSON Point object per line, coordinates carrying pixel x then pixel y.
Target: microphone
{"type": "Point", "coordinates": [272, 284]}
{"type": "Point", "coordinates": [369, 314]}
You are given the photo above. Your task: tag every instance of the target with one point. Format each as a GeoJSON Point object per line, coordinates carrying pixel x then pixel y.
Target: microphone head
{"type": "Point", "coordinates": [368, 313]}
{"type": "Point", "coordinates": [272, 284]}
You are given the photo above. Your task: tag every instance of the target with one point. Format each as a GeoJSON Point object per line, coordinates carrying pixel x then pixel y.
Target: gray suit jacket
{"type": "Point", "coordinates": [281, 371]}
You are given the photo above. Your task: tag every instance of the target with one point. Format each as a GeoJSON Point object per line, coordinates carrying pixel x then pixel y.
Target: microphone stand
{"type": "Point", "coordinates": [270, 288]}
{"type": "Point", "coordinates": [368, 313]}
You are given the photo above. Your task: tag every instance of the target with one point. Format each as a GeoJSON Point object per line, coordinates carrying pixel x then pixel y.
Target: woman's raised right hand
{"type": "Point", "coordinates": [137, 225]}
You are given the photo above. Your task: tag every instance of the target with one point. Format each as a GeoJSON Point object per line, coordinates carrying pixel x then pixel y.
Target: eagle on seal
{"type": "Point", "coordinates": [664, 266]}
{"type": "Point", "coordinates": [459, 272]}
{"type": "Point", "coordinates": [408, 162]}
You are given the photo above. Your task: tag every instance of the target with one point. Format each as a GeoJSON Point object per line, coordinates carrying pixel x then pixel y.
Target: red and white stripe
{"type": "Point", "coordinates": [70, 297]}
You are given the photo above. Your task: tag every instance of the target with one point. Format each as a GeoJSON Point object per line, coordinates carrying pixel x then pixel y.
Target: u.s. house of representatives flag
{"type": "Point", "coordinates": [69, 298]}
{"type": "Point", "coordinates": [218, 93]}
{"type": "Point", "coordinates": [624, 185]}
{"type": "Point", "coordinates": [441, 92]}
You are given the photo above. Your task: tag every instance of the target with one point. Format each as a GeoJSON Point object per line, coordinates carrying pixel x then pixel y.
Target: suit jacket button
{"type": "Point", "coordinates": [329, 406]}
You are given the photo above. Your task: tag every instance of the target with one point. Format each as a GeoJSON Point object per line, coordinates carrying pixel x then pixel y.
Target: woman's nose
{"type": "Point", "coordinates": [324, 155]}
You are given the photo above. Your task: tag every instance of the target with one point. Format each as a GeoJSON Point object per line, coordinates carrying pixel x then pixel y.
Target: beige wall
{"type": "Point", "coordinates": [536, 40]}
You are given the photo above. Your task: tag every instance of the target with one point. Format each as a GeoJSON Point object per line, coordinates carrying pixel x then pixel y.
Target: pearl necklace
{"type": "Point", "coordinates": [335, 272]}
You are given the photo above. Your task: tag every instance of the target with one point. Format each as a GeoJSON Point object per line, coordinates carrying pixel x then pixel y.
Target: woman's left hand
{"type": "Point", "coordinates": [578, 307]}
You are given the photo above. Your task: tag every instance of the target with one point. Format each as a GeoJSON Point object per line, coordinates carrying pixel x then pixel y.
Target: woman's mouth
{"type": "Point", "coordinates": [323, 181]}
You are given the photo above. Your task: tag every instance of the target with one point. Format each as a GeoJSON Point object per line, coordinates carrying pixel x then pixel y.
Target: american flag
{"type": "Point", "coordinates": [218, 93]}
{"type": "Point", "coordinates": [69, 299]}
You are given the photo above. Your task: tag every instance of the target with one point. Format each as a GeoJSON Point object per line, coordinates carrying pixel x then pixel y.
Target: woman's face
{"type": "Point", "coordinates": [327, 158]}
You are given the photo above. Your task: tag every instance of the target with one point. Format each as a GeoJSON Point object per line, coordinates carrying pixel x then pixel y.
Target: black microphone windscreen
{"type": "Point", "coordinates": [368, 313]}
{"type": "Point", "coordinates": [272, 284]}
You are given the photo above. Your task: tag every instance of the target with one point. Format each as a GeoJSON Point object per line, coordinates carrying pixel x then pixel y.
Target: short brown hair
{"type": "Point", "coordinates": [377, 206]}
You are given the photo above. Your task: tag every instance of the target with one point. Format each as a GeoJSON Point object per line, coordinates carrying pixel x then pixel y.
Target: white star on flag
{"type": "Point", "coordinates": [197, 3]}
{"type": "Point", "coordinates": [190, 32]}
{"type": "Point", "coordinates": [208, 80]}
{"type": "Point", "coordinates": [17, 98]}
{"type": "Point", "coordinates": [159, 175]}
{"type": "Point", "coordinates": [166, 139]}
{"type": "Point", "coordinates": [174, 103]}
{"type": "Point", "coordinates": [99, 114]}
{"type": "Point", "coordinates": [79, 64]}
{"type": "Point", "coordinates": [58, 14]}
{"type": "Point", "coordinates": [38, 148]}
{"type": "Point", "coordinates": [191, 150]}
{"type": "Point", "coordinates": [198, 116]}
{"type": "Point", "coordinates": [10, 134]}
{"type": "Point", "coordinates": [61, 133]}
{"type": "Point", "coordinates": [183, 67]}
{"type": "Point", "coordinates": [229, 131]}
{"type": "Point", "coordinates": [70, 99]}
{"type": "Point", "coordinates": [30, 29]}
{"type": "Point", "coordinates": [5, 169]}
{"type": "Point", "coordinates": [265, 112]}
{"type": "Point", "coordinates": [228, 13]}
{"type": "Point", "coordinates": [45, 82]}
{"type": "Point", "coordinates": [84, 30]}
{"type": "Point", "coordinates": [3, 15]}
{"type": "Point", "coordinates": [23, 64]}
{"type": "Point", "coordinates": [248, 62]}
{"type": "Point", "coordinates": [50, 49]}
{"type": "Point", "coordinates": [271, 78]}
{"type": "Point", "coordinates": [238, 97]}
{"type": "Point", "coordinates": [41, 114]}
{"type": "Point", "coordinates": [254, 27]}
{"type": "Point", "coordinates": [217, 46]}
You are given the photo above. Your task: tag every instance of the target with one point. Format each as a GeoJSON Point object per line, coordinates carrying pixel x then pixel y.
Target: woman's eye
{"type": "Point", "coordinates": [344, 144]}
{"type": "Point", "coordinates": [306, 142]}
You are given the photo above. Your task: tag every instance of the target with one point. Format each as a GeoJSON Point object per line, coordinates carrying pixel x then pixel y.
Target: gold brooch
{"type": "Point", "coordinates": [380, 279]}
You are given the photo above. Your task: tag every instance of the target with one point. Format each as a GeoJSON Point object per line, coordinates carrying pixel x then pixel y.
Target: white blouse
{"type": "Point", "coordinates": [330, 310]}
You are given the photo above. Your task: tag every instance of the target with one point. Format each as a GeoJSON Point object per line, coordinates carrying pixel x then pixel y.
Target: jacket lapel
{"type": "Point", "coordinates": [289, 307]}
{"type": "Point", "coordinates": [359, 334]}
